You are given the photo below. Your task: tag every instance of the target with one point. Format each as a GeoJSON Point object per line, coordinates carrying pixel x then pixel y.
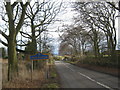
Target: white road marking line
{"type": "Point", "coordinates": [69, 67]}
{"type": "Point", "coordinates": [91, 79]}
{"type": "Point", "coordinates": [96, 81]}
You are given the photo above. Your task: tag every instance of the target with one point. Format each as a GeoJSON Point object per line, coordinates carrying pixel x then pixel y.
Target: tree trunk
{"type": "Point", "coordinates": [113, 47]}
{"type": "Point", "coordinates": [96, 49]}
{"type": "Point", "coordinates": [12, 59]}
{"type": "Point", "coordinates": [34, 50]}
{"type": "Point", "coordinates": [34, 43]}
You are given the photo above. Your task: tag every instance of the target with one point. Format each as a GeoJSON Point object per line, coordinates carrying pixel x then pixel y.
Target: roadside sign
{"type": "Point", "coordinates": [39, 56]}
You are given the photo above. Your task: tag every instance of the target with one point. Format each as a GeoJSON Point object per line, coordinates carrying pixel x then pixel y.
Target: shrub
{"type": "Point", "coordinates": [103, 62]}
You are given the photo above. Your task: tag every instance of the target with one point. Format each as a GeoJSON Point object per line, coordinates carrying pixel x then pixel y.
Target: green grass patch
{"type": "Point", "coordinates": [53, 80]}
{"type": "Point", "coordinates": [53, 75]}
{"type": "Point", "coordinates": [51, 85]}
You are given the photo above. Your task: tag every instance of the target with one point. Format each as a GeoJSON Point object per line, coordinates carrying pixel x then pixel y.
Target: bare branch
{"type": "Point", "coordinates": [19, 50]}
{"type": "Point", "coordinates": [14, 4]}
{"type": "Point", "coordinates": [20, 23]}
{"type": "Point", "coordinates": [28, 36]}
{"type": "Point", "coordinates": [5, 44]}
{"type": "Point", "coordinates": [3, 34]}
{"type": "Point", "coordinates": [117, 8]}
{"type": "Point", "coordinates": [16, 13]}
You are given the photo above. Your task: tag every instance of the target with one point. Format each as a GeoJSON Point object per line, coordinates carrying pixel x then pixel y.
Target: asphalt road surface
{"type": "Point", "coordinates": [76, 77]}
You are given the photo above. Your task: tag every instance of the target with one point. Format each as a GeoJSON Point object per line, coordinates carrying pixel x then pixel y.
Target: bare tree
{"type": "Point", "coordinates": [38, 16]}
{"type": "Point", "coordinates": [99, 16]}
{"type": "Point", "coordinates": [14, 17]}
{"type": "Point", "coordinates": [77, 38]}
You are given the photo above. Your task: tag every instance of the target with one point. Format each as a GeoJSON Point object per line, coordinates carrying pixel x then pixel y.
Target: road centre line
{"type": "Point", "coordinates": [68, 67]}
{"type": "Point", "coordinates": [96, 81]}
{"type": "Point", "coordinates": [103, 85]}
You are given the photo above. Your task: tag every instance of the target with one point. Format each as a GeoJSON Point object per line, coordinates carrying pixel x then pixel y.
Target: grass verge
{"type": "Point", "coordinates": [53, 80]}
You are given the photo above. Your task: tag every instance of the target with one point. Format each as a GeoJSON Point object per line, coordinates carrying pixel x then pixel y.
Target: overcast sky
{"type": "Point", "coordinates": [65, 17]}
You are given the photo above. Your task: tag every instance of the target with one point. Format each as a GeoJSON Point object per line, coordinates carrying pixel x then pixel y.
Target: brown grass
{"type": "Point", "coordinates": [39, 79]}
{"type": "Point", "coordinates": [24, 78]}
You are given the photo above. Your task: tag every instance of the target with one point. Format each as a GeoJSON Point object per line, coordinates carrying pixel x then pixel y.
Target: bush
{"type": "Point", "coordinates": [57, 58]}
{"type": "Point", "coordinates": [103, 62]}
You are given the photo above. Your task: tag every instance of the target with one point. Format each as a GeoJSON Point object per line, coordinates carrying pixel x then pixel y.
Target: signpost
{"type": "Point", "coordinates": [38, 56]}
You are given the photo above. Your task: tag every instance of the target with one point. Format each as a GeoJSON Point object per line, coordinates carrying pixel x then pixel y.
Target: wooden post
{"type": "Point", "coordinates": [31, 70]}
{"type": "Point", "coordinates": [47, 72]}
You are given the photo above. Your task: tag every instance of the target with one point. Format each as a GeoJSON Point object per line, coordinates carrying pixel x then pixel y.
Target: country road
{"type": "Point", "coordinates": [76, 77]}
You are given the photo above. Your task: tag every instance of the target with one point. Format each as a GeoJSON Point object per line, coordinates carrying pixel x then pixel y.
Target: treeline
{"type": "Point", "coordinates": [93, 33]}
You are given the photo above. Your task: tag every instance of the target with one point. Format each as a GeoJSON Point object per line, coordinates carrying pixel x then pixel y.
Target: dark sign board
{"type": "Point", "coordinates": [39, 56]}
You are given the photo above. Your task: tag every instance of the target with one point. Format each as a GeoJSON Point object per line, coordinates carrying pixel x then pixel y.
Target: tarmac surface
{"type": "Point", "coordinates": [76, 77]}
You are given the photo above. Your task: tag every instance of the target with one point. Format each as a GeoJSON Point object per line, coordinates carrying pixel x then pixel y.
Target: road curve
{"type": "Point", "coordinates": [76, 77]}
